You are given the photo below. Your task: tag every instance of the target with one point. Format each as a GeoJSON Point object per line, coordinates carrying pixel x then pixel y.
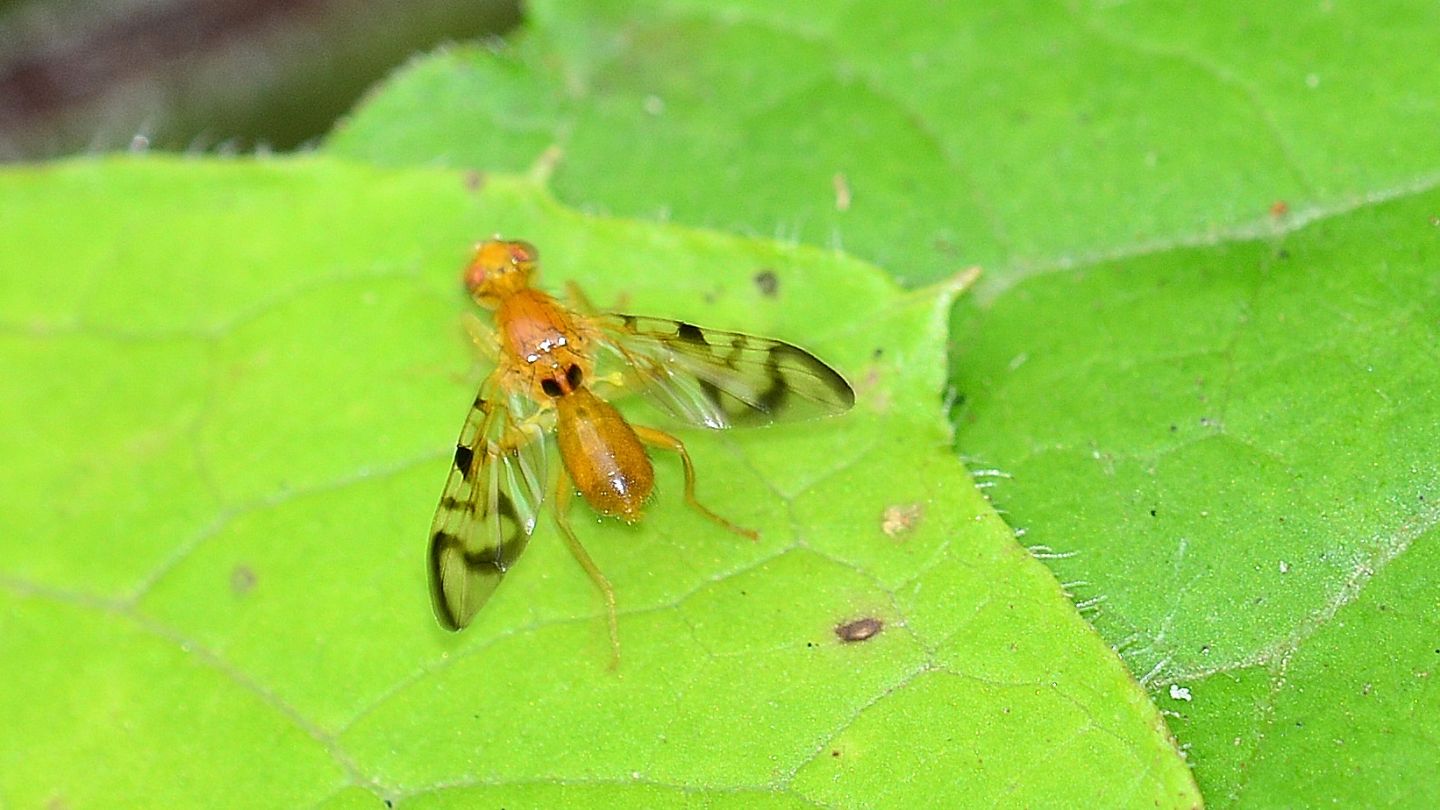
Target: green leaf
{"type": "Point", "coordinates": [1128, 174]}
{"type": "Point", "coordinates": [232, 388]}
{"type": "Point", "coordinates": [1003, 134]}
{"type": "Point", "coordinates": [1238, 443]}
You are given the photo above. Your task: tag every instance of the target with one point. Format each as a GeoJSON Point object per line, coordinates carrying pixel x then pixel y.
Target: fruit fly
{"type": "Point", "coordinates": [551, 360]}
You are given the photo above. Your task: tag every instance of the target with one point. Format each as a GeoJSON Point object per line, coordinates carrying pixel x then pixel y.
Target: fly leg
{"type": "Point", "coordinates": [607, 386]}
{"type": "Point", "coordinates": [563, 493]}
{"type": "Point", "coordinates": [664, 441]}
{"type": "Point", "coordinates": [579, 299]}
{"type": "Point", "coordinates": [582, 302]}
{"type": "Point", "coordinates": [483, 336]}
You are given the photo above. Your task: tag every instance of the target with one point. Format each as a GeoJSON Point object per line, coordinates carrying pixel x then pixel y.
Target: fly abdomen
{"type": "Point", "coordinates": [603, 455]}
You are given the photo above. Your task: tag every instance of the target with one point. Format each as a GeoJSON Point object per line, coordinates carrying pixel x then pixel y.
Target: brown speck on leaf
{"type": "Point", "coordinates": [1279, 209]}
{"type": "Point", "coordinates": [835, 753]}
{"type": "Point", "coordinates": [242, 580]}
{"type": "Point", "coordinates": [842, 192]}
{"type": "Point", "coordinates": [859, 630]}
{"type": "Point", "coordinates": [474, 180]}
{"type": "Point", "coordinates": [900, 519]}
{"type": "Point", "coordinates": [767, 282]}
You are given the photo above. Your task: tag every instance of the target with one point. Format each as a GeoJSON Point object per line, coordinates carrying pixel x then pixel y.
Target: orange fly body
{"type": "Point", "coordinates": [548, 361]}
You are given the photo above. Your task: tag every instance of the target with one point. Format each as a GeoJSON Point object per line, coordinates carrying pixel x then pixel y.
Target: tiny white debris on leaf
{"type": "Point", "coordinates": [1178, 692]}
{"type": "Point", "coordinates": [1284, 567]}
{"type": "Point", "coordinates": [842, 191]}
{"type": "Point", "coordinates": [900, 519]}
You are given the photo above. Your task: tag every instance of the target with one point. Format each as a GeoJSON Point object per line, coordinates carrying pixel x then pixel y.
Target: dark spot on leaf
{"type": "Point", "coordinates": [767, 282]}
{"type": "Point", "coordinates": [242, 579]}
{"type": "Point", "coordinates": [859, 630]}
{"type": "Point", "coordinates": [835, 753]}
{"type": "Point", "coordinates": [1174, 428]}
{"type": "Point", "coordinates": [474, 181]}
{"type": "Point", "coordinates": [1152, 513]}
{"type": "Point", "coordinates": [1283, 254]}
{"type": "Point", "coordinates": [878, 353]}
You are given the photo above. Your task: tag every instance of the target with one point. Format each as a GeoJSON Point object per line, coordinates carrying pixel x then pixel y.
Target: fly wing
{"type": "Point", "coordinates": [488, 511]}
{"type": "Point", "coordinates": [721, 379]}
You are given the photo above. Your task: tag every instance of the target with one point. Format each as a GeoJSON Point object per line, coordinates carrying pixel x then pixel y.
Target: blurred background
{"type": "Point", "coordinates": [214, 75]}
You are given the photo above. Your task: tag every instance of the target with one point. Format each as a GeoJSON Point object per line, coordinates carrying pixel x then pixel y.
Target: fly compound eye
{"type": "Point", "coordinates": [474, 277]}
{"type": "Point", "coordinates": [522, 253]}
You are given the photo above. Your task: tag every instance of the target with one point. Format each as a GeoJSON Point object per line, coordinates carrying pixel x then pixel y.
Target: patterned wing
{"type": "Point", "coordinates": [721, 379]}
{"type": "Point", "coordinates": [488, 511]}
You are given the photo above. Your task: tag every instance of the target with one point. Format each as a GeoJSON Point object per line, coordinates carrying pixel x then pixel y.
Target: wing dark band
{"type": "Point", "coordinates": [722, 379]}
{"type": "Point", "coordinates": [487, 512]}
